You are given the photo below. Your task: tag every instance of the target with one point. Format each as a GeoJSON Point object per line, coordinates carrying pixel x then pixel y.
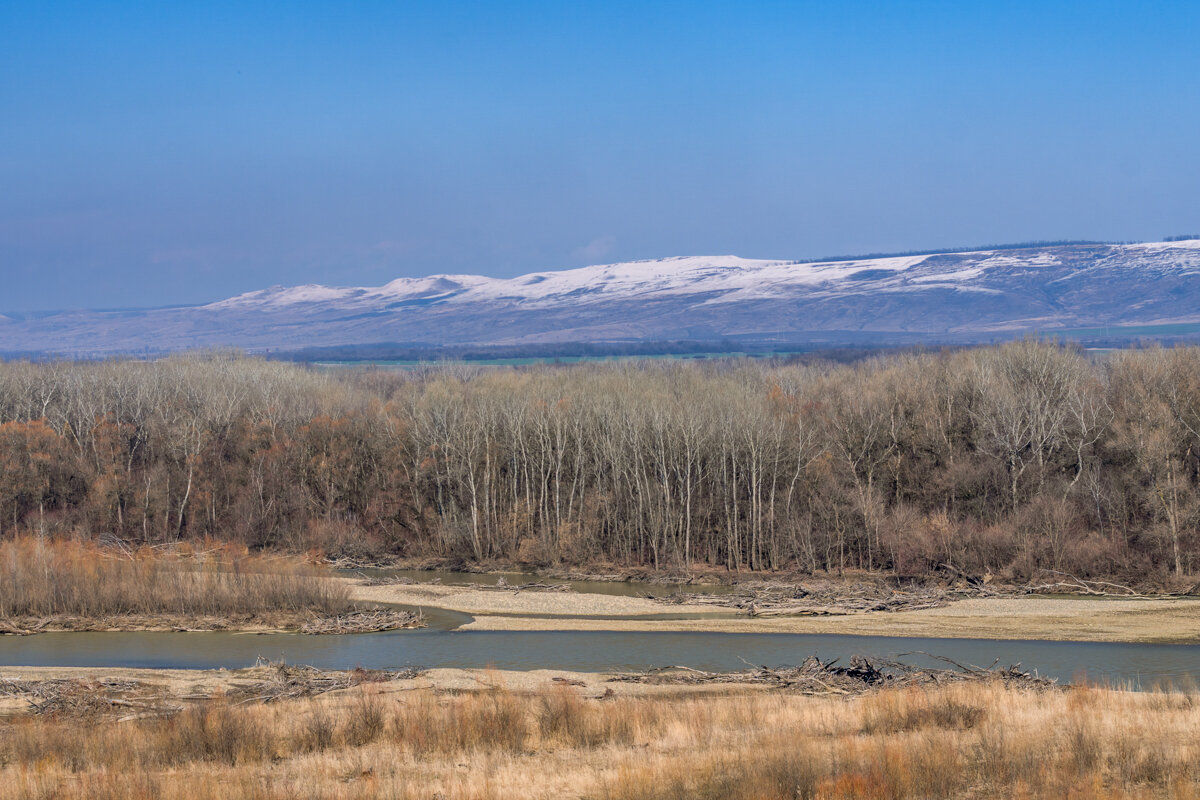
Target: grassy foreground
{"type": "Point", "coordinates": [408, 741]}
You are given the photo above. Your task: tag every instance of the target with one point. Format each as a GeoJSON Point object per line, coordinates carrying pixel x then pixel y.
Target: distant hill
{"type": "Point", "coordinates": [928, 297]}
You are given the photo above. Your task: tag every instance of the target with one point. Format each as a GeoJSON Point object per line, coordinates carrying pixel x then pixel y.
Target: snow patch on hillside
{"type": "Point", "coordinates": [713, 280]}
{"type": "Point", "coordinates": [278, 296]}
{"type": "Point", "coordinates": [1158, 247]}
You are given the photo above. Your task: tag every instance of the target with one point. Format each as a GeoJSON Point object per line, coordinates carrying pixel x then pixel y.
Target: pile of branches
{"type": "Point", "coordinates": [23, 628]}
{"type": "Point", "coordinates": [860, 675]}
{"type": "Point", "coordinates": [643, 575]}
{"type": "Point", "coordinates": [385, 619]}
{"type": "Point", "coordinates": [778, 600]}
{"type": "Point", "coordinates": [1066, 583]}
{"type": "Point", "coordinates": [503, 585]}
{"type": "Point", "coordinates": [819, 598]}
{"type": "Point", "coordinates": [137, 700]}
{"type": "Point", "coordinates": [84, 697]}
{"type": "Point", "coordinates": [393, 580]}
{"type": "Point", "coordinates": [285, 681]}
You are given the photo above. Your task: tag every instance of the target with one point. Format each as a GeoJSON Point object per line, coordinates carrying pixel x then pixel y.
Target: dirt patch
{"type": "Point", "coordinates": [1084, 619]}
{"type": "Point", "coordinates": [476, 600]}
{"type": "Point", "coordinates": [92, 689]}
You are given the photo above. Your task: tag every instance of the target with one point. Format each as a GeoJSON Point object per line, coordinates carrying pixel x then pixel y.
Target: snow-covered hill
{"type": "Point", "coordinates": [946, 296]}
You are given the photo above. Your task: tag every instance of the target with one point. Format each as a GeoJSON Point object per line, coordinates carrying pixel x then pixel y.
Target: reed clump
{"type": "Point", "coordinates": [967, 740]}
{"type": "Point", "coordinates": [42, 578]}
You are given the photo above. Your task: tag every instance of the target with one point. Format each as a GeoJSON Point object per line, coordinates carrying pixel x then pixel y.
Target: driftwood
{"type": "Point", "coordinates": [832, 598]}
{"type": "Point", "coordinates": [388, 580]}
{"type": "Point", "coordinates": [286, 681]}
{"type": "Point", "coordinates": [82, 697]}
{"type": "Point", "coordinates": [826, 597]}
{"type": "Point", "coordinates": [11, 629]}
{"type": "Point", "coordinates": [363, 622]}
{"type": "Point", "coordinates": [133, 699]}
{"type": "Point", "coordinates": [503, 585]}
{"type": "Point", "coordinates": [860, 675]}
{"type": "Point", "coordinates": [774, 600]}
{"type": "Point", "coordinates": [567, 681]}
{"type": "Point", "coordinates": [1069, 584]}
{"type": "Point", "coordinates": [349, 563]}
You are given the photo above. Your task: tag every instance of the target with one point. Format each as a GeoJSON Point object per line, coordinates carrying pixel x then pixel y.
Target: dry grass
{"type": "Point", "coordinates": [47, 579]}
{"type": "Point", "coordinates": [975, 741]}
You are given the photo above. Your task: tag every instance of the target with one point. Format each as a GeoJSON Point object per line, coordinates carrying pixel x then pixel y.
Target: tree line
{"type": "Point", "coordinates": [1004, 459]}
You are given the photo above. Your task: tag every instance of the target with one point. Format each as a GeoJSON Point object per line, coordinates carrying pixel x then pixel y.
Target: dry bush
{"type": "Point", "coordinates": [980, 740]}
{"type": "Point", "coordinates": [968, 741]}
{"type": "Point", "coordinates": [45, 578]}
{"type": "Point", "coordinates": [914, 709]}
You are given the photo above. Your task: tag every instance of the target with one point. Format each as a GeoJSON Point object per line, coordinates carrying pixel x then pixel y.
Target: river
{"type": "Point", "coordinates": [442, 645]}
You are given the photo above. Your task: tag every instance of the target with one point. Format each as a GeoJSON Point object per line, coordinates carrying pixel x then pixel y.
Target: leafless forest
{"type": "Point", "coordinates": [1005, 460]}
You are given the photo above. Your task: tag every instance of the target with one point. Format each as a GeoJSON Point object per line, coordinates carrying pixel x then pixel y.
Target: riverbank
{"type": "Point", "coordinates": [478, 735]}
{"type": "Point", "coordinates": [1084, 619]}
{"type": "Point", "coordinates": [706, 575]}
{"type": "Point", "coordinates": [352, 621]}
{"type": "Point", "coordinates": [214, 683]}
{"type": "Point", "coordinates": [167, 688]}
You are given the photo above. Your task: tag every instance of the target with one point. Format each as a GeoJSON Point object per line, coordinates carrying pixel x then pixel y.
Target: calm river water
{"type": "Point", "coordinates": [440, 645]}
{"type": "Point", "coordinates": [1141, 665]}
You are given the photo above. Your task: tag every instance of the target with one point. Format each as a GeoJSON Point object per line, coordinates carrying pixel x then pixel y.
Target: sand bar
{"type": "Point", "coordinates": [1083, 619]}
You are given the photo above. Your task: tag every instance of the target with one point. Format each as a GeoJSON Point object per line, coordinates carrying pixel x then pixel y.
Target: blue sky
{"type": "Point", "coordinates": [165, 153]}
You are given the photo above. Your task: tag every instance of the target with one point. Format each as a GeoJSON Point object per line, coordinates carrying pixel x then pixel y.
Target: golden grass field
{"type": "Point", "coordinates": [437, 739]}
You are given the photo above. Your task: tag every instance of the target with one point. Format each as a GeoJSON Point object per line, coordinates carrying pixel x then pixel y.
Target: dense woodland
{"type": "Point", "coordinates": [1005, 460]}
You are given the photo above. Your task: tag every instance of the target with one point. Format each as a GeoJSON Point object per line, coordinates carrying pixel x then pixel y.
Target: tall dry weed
{"type": "Point", "coordinates": [960, 741]}
{"type": "Point", "coordinates": [43, 578]}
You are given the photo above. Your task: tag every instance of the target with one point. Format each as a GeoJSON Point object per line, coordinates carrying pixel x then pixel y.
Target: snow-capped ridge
{"type": "Point", "coordinates": [947, 296]}
{"type": "Point", "coordinates": [284, 296]}
{"type": "Point", "coordinates": [719, 279]}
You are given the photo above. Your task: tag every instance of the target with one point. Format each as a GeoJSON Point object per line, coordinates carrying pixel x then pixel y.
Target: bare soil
{"type": "Point", "coordinates": [22, 689]}
{"type": "Point", "coordinates": [1086, 619]}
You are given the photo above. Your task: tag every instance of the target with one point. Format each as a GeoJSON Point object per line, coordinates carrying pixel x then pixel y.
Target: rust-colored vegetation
{"type": "Point", "coordinates": [79, 585]}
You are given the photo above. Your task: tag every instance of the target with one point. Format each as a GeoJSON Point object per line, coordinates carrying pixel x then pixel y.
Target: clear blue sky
{"type": "Point", "coordinates": [177, 152]}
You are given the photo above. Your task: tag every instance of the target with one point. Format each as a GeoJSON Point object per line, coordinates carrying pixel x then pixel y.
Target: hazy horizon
{"type": "Point", "coordinates": [171, 155]}
{"type": "Point", "coordinates": [829, 257]}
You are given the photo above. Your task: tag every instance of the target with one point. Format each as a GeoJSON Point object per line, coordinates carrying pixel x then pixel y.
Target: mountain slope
{"type": "Point", "coordinates": [947, 296]}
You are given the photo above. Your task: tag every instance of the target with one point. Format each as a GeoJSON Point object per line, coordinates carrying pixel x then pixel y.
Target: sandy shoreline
{"type": "Point", "coordinates": [209, 683]}
{"type": "Point", "coordinates": [1084, 619]}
